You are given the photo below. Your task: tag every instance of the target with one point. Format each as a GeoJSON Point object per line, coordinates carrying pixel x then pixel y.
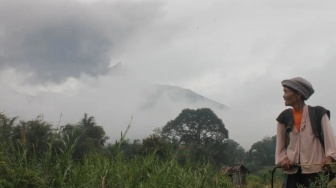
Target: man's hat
{"type": "Point", "coordinates": [301, 85]}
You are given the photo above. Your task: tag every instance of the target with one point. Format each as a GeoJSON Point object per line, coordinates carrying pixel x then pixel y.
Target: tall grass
{"type": "Point", "coordinates": [57, 169]}
{"type": "Point", "coordinates": [99, 171]}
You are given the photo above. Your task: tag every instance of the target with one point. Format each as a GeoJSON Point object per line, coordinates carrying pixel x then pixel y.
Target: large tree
{"type": "Point", "coordinates": [200, 126]}
{"type": "Point", "coordinates": [228, 152]}
{"type": "Point", "coordinates": [6, 128]}
{"type": "Point", "coordinates": [86, 136]}
{"type": "Point", "coordinates": [33, 135]}
{"type": "Point", "coordinates": [262, 152]}
{"type": "Point", "coordinates": [158, 145]}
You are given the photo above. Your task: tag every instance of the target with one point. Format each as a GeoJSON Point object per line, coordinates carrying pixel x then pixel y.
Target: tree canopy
{"type": "Point", "coordinates": [86, 135]}
{"type": "Point", "coordinates": [262, 152]}
{"type": "Point", "coordinates": [200, 126]}
{"type": "Point", "coordinates": [200, 132]}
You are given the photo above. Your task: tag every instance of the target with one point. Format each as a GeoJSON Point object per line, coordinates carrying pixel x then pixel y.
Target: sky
{"type": "Point", "coordinates": [235, 52]}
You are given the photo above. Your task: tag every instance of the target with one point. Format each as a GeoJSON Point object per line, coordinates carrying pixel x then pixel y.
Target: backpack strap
{"type": "Point", "coordinates": [315, 114]}
{"type": "Point", "coordinates": [286, 118]}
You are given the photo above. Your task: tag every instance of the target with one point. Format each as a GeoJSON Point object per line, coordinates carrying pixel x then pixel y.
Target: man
{"type": "Point", "coordinates": [305, 148]}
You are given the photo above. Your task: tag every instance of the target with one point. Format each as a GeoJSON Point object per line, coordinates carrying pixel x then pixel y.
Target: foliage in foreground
{"type": "Point", "coordinates": [54, 165]}
{"type": "Point", "coordinates": [98, 171]}
{"type": "Point", "coordinates": [34, 155]}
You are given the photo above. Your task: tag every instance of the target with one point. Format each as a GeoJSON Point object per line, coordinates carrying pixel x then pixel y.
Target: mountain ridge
{"type": "Point", "coordinates": [115, 100]}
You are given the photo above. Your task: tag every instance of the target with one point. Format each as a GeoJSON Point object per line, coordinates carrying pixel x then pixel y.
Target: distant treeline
{"type": "Point", "coordinates": [35, 153]}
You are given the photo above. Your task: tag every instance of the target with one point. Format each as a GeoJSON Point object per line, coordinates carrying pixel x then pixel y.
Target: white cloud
{"type": "Point", "coordinates": [235, 52]}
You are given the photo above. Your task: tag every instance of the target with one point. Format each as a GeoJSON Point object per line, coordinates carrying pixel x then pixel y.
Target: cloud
{"type": "Point", "coordinates": [233, 52]}
{"type": "Point", "coordinates": [55, 40]}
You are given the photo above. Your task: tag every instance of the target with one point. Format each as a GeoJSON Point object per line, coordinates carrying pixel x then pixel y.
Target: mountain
{"type": "Point", "coordinates": [115, 100]}
{"type": "Point", "coordinates": [153, 105]}
{"type": "Point", "coordinates": [178, 94]}
{"type": "Point", "coordinates": [189, 96]}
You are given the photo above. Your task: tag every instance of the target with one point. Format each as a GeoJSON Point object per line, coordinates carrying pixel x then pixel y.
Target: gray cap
{"type": "Point", "coordinates": [301, 85]}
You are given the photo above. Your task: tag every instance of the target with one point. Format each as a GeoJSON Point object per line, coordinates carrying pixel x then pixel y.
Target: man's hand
{"type": "Point", "coordinates": [326, 163]}
{"type": "Point", "coordinates": [286, 164]}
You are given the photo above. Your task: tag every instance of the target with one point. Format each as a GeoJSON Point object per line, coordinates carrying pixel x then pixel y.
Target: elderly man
{"type": "Point", "coordinates": [306, 144]}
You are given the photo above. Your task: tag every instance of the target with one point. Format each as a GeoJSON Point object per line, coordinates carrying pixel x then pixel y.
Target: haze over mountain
{"type": "Point", "coordinates": [115, 100]}
{"type": "Point", "coordinates": [55, 55]}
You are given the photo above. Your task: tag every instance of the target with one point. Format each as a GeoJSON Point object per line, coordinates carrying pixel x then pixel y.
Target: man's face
{"type": "Point", "coordinates": [291, 98]}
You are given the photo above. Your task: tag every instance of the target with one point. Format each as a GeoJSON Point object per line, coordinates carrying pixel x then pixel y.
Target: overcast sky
{"type": "Point", "coordinates": [235, 52]}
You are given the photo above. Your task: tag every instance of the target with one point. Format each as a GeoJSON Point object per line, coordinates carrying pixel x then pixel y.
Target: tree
{"type": "Point", "coordinates": [6, 128]}
{"type": "Point", "coordinates": [157, 145]}
{"type": "Point", "coordinates": [200, 126]}
{"type": "Point", "coordinates": [34, 135]}
{"type": "Point", "coordinates": [262, 152]}
{"type": "Point", "coordinates": [230, 153]}
{"type": "Point", "coordinates": [199, 131]}
{"type": "Point", "coordinates": [85, 136]}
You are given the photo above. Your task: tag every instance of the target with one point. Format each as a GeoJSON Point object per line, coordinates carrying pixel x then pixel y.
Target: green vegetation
{"type": "Point", "coordinates": [183, 153]}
